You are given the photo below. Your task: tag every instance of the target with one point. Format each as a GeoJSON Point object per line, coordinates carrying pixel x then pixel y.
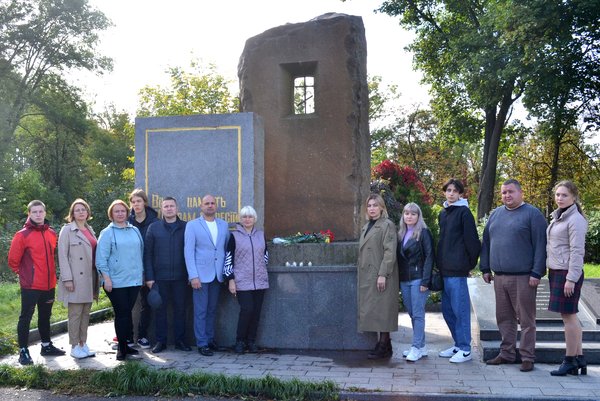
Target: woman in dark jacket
{"type": "Point", "coordinates": [246, 270]}
{"type": "Point", "coordinates": [415, 263]}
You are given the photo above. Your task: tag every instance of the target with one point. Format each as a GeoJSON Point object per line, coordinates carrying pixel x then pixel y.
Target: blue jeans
{"type": "Point", "coordinates": [414, 301]}
{"type": "Point", "coordinates": [205, 312]}
{"type": "Point", "coordinates": [456, 309]}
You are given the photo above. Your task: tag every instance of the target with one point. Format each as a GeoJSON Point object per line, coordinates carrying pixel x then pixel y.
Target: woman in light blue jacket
{"type": "Point", "coordinates": [119, 256]}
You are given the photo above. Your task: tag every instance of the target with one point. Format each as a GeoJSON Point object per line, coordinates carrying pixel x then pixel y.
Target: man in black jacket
{"type": "Point", "coordinates": [457, 253]}
{"type": "Point", "coordinates": [164, 266]}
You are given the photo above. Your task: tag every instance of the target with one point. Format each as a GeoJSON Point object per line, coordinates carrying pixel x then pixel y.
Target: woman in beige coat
{"type": "Point", "coordinates": [565, 249]}
{"type": "Point", "coordinates": [378, 277]}
{"type": "Point", "coordinates": [78, 285]}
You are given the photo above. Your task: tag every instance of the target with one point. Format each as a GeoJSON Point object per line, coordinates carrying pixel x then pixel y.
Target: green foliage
{"type": "Point", "coordinates": [40, 38]}
{"type": "Point", "coordinates": [10, 308]}
{"type": "Point", "coordinates": [201, 91]}
{"type": "Point", "coordinates": [592, 239]}
{"type": "Point", "coordinates": [137, 379]}
{"type": "Point", "coordinates": [399, 186]}
{"type": "Point", "coordinates": [481, 56]}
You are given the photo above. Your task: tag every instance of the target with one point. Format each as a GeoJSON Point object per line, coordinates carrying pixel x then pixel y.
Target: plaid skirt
{"type": "Point", "coordinates": [558, 302]}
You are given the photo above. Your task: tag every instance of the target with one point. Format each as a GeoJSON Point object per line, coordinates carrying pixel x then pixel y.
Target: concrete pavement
{"type": "Point", "coordinates": [429, 378]}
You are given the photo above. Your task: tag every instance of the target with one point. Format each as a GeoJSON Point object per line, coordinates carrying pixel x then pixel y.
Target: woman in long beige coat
{"type": "Point", "coordinates": [378, 277]}
{"type": "Point", "coordinates": [78, 285]}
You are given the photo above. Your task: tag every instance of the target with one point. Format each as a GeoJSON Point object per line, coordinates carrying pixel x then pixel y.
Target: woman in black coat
{"type": "Point", "coordinates": [415, 264]}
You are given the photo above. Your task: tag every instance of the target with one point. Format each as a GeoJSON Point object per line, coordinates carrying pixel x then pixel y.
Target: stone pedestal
{"type": "Point", "coordinates": [309, 308]}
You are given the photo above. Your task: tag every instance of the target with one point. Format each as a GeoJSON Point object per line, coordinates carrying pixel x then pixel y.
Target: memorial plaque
{"type": "Point", "coordinates": [188, 157]}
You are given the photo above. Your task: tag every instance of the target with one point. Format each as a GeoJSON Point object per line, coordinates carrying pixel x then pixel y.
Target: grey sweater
{"type": "Point", "coordinates": [514, 242]}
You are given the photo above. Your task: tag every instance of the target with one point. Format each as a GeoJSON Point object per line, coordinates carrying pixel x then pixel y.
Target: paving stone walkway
{"type": "Point", "coordinates": [352, 371]}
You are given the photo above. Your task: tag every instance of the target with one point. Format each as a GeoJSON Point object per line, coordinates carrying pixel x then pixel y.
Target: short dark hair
{"type": "Point", "coordinates": [166, 198]}
{"type": "Point", "coordinates": [457, 184]}
{"type": "Point", "coordinates": [514, 182]}
{"type": "Point", "coordinates": [35, 202]}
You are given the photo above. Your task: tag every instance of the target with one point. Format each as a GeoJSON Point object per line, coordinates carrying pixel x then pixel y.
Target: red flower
{"type": "Point", "coordinates": [328, 233]}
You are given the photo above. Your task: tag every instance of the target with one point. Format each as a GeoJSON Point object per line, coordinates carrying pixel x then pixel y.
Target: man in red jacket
{"type": "Point", "coordinates": [31, 256]}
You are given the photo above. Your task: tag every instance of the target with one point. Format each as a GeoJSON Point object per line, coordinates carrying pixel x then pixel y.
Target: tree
{"type": "Point", "coordinates": [202, 91]}
{"type": "Point", "coordinates": [566, 83]}
{"type": "Point", "coordinates": [478, 56]}
{"type": "Point", "coordinates": [38, 38]}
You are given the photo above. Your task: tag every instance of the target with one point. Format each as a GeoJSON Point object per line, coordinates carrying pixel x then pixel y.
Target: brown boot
{"type": "Point", "coordinates": [498, 360]}
{"type": "Point", "coordinates": [526, 366]}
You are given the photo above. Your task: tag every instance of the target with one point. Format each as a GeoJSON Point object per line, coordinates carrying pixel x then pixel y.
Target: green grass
{"type": "Point", "coordinates": [591, 270]}
{"type": "Point", "coordinates": [133, 378]}
{"type": "Point", "coordinates": [10, 308]}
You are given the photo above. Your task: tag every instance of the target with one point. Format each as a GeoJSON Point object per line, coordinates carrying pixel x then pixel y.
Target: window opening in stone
{"type": "Point", "coordinates": [304, 95]}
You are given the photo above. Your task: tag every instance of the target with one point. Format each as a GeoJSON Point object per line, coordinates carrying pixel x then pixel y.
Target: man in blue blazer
{"type": "Point", "coordinates": [205, 244]}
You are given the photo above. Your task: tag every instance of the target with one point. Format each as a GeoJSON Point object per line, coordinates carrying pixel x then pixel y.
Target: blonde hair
{"type": "Point", "coordinates": [380, 202]}
{"type": "Point", "coordinates": [419, 226]}
{"type": "Point", "coordinates": [115, 203]}
{"type": "Point", "coordinates": [248, 211]}
{"type": "Point", "coordinates": [71, 216]}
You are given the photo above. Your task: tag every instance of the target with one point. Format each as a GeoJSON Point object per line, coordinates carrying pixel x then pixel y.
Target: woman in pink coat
{"type": "Point", "coordinates": [78, 285]}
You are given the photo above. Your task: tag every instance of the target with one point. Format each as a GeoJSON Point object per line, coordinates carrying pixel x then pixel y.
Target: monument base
{"type": "Point", "coordinates": [308, 307]}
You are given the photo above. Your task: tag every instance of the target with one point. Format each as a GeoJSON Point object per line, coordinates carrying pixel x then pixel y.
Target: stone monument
{"type": "Point", "coordinates": [189, 156]}
{"type": "Point", "coordinates": [309, 83]}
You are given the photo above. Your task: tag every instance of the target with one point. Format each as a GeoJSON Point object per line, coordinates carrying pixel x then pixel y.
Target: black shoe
{"type": "Point", "coordinates": [121, 355]}
{"type": "Point", "coordinates": [569, 365]}
{"type": "Point", "coordinates": [581, 364]}
{"type": "Point", "coordinates": [181, 346]}
{"type": "Point", "coordinates": [239, 347]}
{"type": "Point", "coordinates": [51, 350]}
{"type": "Point", "coordinates": [206, 351]}
{"type": "Point", "coordinates": [252, 347]}
{"type": "Point", "coordinates": [382, 350]}
{"type": "Point", "coordinates": [24, 357]}
{"type": "Point", "coordinates": [159, 347]}
{"type": "Point", "coordinates": [132, 351]}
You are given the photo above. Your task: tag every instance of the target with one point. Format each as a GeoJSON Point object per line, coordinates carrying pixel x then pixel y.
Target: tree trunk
{"type": "Point", "coordinates": [556, 139]}
{"type": "Point", "coordinates": [487, 185]}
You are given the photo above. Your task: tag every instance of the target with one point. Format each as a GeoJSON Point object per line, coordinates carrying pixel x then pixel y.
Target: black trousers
{"type": "Point", "coordinates": [123, 299]}
{"type": "Point", "coordinates": [44, 301]}
{"type": "Point", "coordinates": [250, 307]}
{"type": "Point", "coordinates": [172, 292]}
{"type": "Point", "coordinates": [145, 314]}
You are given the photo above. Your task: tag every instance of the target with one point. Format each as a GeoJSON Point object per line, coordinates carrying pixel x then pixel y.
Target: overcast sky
{"type": "Point", "coordinates": [149, 36]}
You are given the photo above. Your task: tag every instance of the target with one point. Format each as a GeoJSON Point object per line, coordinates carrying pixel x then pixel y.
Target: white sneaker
{"type": "Point", "coordinates": [87, 350]}
{"type": "Point", "coordinates": [424, 352]}
{"type": "Point", "coordinates": [449, 353]}
{"type": "Point", "coordinates": [78, 352]}
{"type": "Point", "coordinates": [461, 356]}
{"type": "Point", "coordinates": [414, 354]}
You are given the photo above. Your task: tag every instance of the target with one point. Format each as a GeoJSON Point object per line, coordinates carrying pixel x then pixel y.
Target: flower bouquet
{"type": "Point", "coordinates": [299, 238]}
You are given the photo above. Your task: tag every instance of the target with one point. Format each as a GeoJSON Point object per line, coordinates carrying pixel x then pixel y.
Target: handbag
{"type": "Point", "coordinates": [437, 281]}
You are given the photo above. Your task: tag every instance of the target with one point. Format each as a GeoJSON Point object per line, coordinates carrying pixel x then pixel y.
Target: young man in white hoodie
{"type": "Point", "coordinates": [457, 253]}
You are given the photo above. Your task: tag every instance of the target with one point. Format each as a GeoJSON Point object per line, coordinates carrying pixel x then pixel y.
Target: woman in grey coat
{"type": "Point", "coordinates": [78, 285]}
{"type": "Point", "coordinates": [377, 276]}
